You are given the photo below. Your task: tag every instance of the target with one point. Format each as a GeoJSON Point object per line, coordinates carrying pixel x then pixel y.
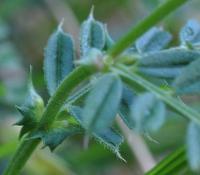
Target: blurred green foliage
{"type": "Point", "coordinates": [7, 7]}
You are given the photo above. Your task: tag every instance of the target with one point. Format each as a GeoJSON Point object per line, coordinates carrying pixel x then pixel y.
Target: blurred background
{"type": "Point", "coordinates": [25, 26]}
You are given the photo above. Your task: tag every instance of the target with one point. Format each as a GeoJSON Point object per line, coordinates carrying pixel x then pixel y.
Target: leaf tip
{"type": "Point", "coordinates": [120, 156]}
{"type": "Point", "coordinates": [60, 26]}
{"type": "Point", "coordinates": [91, 15]}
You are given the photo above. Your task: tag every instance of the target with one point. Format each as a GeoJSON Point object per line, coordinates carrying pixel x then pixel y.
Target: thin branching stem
{"type": "Point", "coordinates": [157, 15]}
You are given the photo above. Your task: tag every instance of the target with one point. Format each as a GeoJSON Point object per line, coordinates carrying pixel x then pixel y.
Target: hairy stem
{"type": "Point", "coordinates": [26, 147]}
{"type": "Point", "coordinates": [161, 12]}
{"type": "Point", "coordinates": [61, 94]}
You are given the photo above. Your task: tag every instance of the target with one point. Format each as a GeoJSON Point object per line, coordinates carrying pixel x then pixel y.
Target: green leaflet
{"type": "Point", "coordinates": [190, 33]}
{"type": "Point", "coordinates": [148, 113]}
{"type": "Point", "coordinates": [169, 57]}
{"type": "Point", "coordinates": [153, 40]}
{"type": "Point", "coordinates": [56, 134]}
{"type": "Point", "coordinates": [92, 35]}
{"type": "Point", "coordinates": [102, 103]}
{"type": "Point", "coordinates": [108, 137]}
{"type": "Point", "coordinates": [188, 80]}
{"type": "Point", "coordinates": [59, 57]}
{"type": "Point", "coordinates": [31, 110]}
{"type": "Point", "coordinates": [193, 146]}
{"type": "Point", "coordinates": [163, 72]}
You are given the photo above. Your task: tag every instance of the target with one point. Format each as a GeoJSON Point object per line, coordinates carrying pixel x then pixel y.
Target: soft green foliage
{"type": "Point", "coordinates": [193, 146]}
{"type": "Point", "coordinates": [106, 86]}
{"type": "Point", "coordinates": [102, 103]}
{"type": "Point", "coordinates": [59, 57]}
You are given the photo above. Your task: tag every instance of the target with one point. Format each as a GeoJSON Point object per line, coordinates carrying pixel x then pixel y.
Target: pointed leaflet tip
{"type": "Point", "coordinates": [120, 156]}
{"type": "Point", "coordinates": [151, 138]}
{"type": "Point", "coordinates": [60, 26]}
{"type": "Point", "coordinates": [91, 15]}
{"type": "Point", "coordinates": [30, 70]}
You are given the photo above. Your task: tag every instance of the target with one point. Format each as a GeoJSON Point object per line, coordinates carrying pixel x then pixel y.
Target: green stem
{"type": "Point", "coordinates": [134, 80]}
{"type": "Point", "coordinates": [157, 15]}
{"type": "Point", "coordinates": [26, 147]}
{"type": "Point", "coordinates": [171, 162]}
{"type": "Point", "coordinates": [64, 90]}
{"type": "Point", "coordinates": [20, 157]}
